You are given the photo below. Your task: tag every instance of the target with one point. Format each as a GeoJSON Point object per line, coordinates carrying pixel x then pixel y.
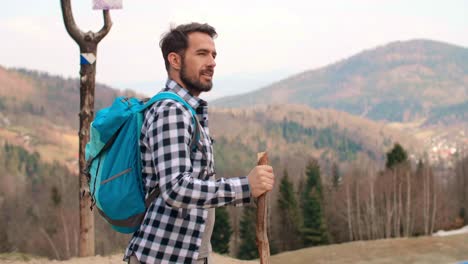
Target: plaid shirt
{"type": "Point", "coordinates": [172, 229]}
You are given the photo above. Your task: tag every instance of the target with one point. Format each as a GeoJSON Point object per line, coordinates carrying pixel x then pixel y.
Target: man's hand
{"type": "Point", "coordinates": [261, 180]}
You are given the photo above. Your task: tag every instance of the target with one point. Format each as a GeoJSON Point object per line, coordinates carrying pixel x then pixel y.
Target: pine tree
{"type": "Point", "coordinates": [314, 231]}
{"type": "Point", "coordinates": [397, 155]}
{"type": "Point", "coordinates": [289, 215]}
{"type": "Point", "coordinates": [248, 245]}
{"type": "Point", "coordinates": [336, 177]}
{"type": "Point", "coordinates": [221, 232]}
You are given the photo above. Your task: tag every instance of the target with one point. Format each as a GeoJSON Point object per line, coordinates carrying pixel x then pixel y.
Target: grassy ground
{"type": "Point", "coordinates": [422, 250]}
{"type": "Point", "coordinates": [114, 259]}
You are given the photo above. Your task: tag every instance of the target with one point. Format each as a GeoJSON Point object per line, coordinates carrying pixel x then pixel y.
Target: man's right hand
{"type": "Point", "coordinates": [261, 180]}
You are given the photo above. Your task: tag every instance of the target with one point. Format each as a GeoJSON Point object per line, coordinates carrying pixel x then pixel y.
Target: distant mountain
{"type": "Point", "coordinates": [448, 115]}
{"type": "Point", "coordinates": [26, 94]}
{"type": "Point", "coordinates": [39, 111]}
{"type": "Point", "coordinates": [294, 133]}
{"type": "Point", "coordinates": [401, 81]}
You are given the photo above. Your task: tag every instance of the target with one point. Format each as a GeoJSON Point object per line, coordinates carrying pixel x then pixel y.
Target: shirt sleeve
{"type": "Point", "coordinates": [169, 140]}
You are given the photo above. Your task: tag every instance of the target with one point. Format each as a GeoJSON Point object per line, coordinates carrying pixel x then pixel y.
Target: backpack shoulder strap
{"type": "Point", "coordinates": [173, 96]}
{"type": "Point", "coordinates": [195, 137]}
{"type": "Point", "coordinates": [169, 95]}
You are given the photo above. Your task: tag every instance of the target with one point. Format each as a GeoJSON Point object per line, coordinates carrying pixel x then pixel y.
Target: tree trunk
{"type": "Point", "coordinates": [51, 242]}
{"type": "Point", "coordinates": [464, 175]}
{"type": "Point", "coordinates": [372, 210]}
{"type": "Point", "coordinates": [235, 230]}
{"type": "Point", "coordinates": [425, 207]}
{"type": "Point", "coordinates": [388, 223]}
{"type": "Point", "coordinates": [462, 184]}
{"type": "Point", "coordinates": [65, 233]}
{"type": "Point", "coordinates": [87, 73]}
{"type": "Point", "coordinates": [88, 47]}
{"type": "Point", "coordinates": [348, 203]}
{"type": "Point", "coordinates": [358, 212]}
{"type": "Point", "coordinates": [395, 203]}
{"type": "Point", "coordinates": [434, 207]}
{"type": "Point", "coordinates": [367, 222]}
{"type": "Point", "coordinates": [408, 205]}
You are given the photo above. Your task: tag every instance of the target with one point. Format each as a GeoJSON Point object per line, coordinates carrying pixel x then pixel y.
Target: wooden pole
{"type": "Point", "coordinates": [88, 52]}
{"type": "Point", "coordinates": [262, 219]}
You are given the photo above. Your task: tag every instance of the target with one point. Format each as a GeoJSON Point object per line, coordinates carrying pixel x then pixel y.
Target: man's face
{"type": "Point", "coordinates": [198, 63]}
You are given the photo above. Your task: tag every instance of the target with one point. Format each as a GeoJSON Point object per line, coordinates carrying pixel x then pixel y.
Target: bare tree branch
{"type": "Point", "coordinates": [69, 22]}
{"type": "Point", "coordinates": [79, 36]}
{"type": "Point", "coordinates": [106, 28]}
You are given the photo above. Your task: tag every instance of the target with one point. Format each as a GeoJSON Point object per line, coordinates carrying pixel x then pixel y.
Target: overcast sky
{"type": "Point", "coordinates": [260, 41]}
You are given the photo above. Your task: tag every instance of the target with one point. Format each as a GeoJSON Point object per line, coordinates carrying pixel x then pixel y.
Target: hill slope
{"type": "Point", "coordinates": [43, 118]}
{"type": "Point", "coordinates": [293, 129]}
{"type": "Point", "coordinates": [27, 95]}
{"type": "Point", "coordinates": [401, 81]}
{"type": "Point", "coordinates": [39, 111]}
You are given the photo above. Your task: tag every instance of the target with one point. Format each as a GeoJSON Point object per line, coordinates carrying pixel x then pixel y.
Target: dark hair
{"type": "Point", "coordinates": [176, 40]}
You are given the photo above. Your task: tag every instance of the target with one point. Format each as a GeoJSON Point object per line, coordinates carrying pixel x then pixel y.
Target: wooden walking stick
{"type": "Point", "coordinates": [262, 219]}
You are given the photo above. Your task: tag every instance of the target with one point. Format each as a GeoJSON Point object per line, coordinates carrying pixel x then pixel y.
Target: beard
{"type": "Point", "coordinates": [194, 84]}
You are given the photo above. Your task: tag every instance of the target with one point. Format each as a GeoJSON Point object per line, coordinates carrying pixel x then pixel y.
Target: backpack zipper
{"type": "Point", "coordinates": [115, 176]}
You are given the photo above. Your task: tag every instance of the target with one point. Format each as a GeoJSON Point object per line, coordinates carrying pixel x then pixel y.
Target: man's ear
{"type": "Point", "coordinates": [175, 60]}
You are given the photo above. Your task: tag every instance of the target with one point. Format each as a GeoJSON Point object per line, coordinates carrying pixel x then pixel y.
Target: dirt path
{"type": "Point", "coordinates": [114, 259]}
{"type": "Point", "coordinates": [423, 250]}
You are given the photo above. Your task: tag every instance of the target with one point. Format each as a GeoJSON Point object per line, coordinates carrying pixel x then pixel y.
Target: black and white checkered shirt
{"type": "Point", "coordinates": [172, 229]}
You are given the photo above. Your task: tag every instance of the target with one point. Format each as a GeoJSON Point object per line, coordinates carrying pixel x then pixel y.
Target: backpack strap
{"type": "Point", "coordinates": [168, 95]}
{"type": "Point", "coordinates": [194, 144]}
{"type": "Point", "coordinates": [158, 97]}
{"type": "Point", "coordinates": [173, 96]}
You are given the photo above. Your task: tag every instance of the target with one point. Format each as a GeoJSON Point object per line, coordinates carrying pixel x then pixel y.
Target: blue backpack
{"type": "Point", "coordinates": [113, 163]}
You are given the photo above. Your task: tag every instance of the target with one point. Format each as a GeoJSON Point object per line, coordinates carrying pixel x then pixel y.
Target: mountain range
{"type": "Point", "coordinates": [39, 112]}
{"type": "Point", "coordinates": [337, 112]}
{"type": "Point", "coordinates": [346, 116]}
{"type": "Point", "coordinates": [398, 82]}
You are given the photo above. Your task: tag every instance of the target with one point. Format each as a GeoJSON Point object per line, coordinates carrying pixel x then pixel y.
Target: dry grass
{"type": "Point", "coordinates": [114, 259]}
{"type": "Point", "coordinates": [15, 85]}
{"type": "Point", "coordinates": [422, 250]}
{"type": "Point", "coordinates": [427, 250]}
{"type": "Point", "coordinates": [54, 145]}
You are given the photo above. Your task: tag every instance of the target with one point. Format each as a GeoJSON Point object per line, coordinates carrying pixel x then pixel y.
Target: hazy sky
{"type": "Point", "coordinates": [260, 41]}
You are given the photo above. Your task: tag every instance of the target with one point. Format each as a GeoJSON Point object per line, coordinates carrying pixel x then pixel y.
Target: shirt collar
{"type": "Point", "coordinates": [193, 101]}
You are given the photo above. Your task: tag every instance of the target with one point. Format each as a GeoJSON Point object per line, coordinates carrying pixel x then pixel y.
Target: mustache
{"type": "Point", "coordinates": [207, 71]}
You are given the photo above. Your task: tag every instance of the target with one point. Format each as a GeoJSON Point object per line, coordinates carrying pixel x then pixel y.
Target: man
{"type": "Point", "coordinates": [178, 225]}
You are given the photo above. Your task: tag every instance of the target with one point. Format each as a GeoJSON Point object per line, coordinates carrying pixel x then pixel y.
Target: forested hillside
{"type": "Point", "coordinates": [30, 96]}
{"type": "Point", "coordinates": [334, 183]}
{"type": "Point", "coordinates": [401, 81]}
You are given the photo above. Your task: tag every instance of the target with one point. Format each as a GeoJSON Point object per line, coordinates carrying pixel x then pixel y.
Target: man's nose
{"type": "Point", "coordinates": [212, 62]}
